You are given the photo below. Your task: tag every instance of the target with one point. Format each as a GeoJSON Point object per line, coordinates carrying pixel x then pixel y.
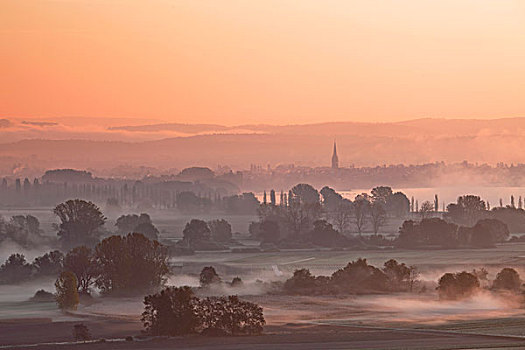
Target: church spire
{"type": "Point", "coordinates": [335, 158]}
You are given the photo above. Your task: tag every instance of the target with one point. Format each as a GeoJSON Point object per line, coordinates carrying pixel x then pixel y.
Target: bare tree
{"type": "Point", "coordinates": [361, 208]}
{"type": "Point", "coordinates": [342, 215]}
{"type": "Point", "coordinates": [377, 215]}
{"type": "Point", "coordinates": [426, 208]}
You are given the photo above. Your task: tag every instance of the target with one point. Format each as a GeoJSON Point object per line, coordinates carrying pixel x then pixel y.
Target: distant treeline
{"type": "Point", "coordinates": [153, 192]}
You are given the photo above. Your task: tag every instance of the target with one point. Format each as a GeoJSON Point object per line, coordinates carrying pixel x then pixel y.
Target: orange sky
{"type": "Point", "coordinates": [267, 61]}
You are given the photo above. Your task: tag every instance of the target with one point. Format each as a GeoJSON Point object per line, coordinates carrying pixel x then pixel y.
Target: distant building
{"type": "Point", "coordinates": [335, 158]}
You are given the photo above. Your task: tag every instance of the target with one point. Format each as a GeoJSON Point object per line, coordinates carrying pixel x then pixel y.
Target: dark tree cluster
{"type": "Point", "coordinates": [435, 232]}
{"type": "Point", "coordinates": [176, 311]}
{"type": "Point", "coordinates": [470, 209]}
{"type": "Point", "coordinates": [202, 235]}
{"type": "Point", "coordinates": [134, 223]}
{"type": "Point", "coordinates": [17, 269]}
{"type": "Point", "coordinates": [461, 285]}
{"type": "Point", "coordinates": [507, 279]}
{"type": "Point", "coordinates": [357, 277]}
{"type": "Point", "coordinates": [80, 223]}
{"type": "Point", "coordinates": [118, 264]}
{"type": "Point", "coordinates": [305, 216]}
{"type": "Point", "coordinates": [130, 264]}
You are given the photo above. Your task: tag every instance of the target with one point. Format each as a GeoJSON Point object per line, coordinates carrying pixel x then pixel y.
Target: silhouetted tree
{"type": "Point", "coordinates": [426, 209]}
{"type": "Point", "coordinates": [15, 269]}
{"type": "Point", "coordinates": [457, 285]}
{"type": "Point", "coordinates": [82, 263]}
{"type": "Point", "coordinates": [399, 275]}
{"type": "Point", "coordinates": [131, 264]}
{"type": "Point", "coordinates": [398, 205]}
{"type": "Point", "coordinates": [431, 232]}
{"type": "Point", "coordinates": [508, 279]}
{"type": "Point", "coordinates": [324, 235]}
{"type": "Point", "coordinates": [272, 197]}
{"type": "Point", "coordinates": [302, 281]}
{"type": "Point", "coordinates": [269, 231]}
{"type": "Point", "coordinates": [338, 209]}
{"type": "Point", "coordinates": [221, 230]}
{"type": "Point", "coordinates": [148, 230]}
{"type": "Point", "coordinates": [514, 218]}
{"type": "Point", "coordinates": [209, 276]}
{"type": "Point", "coordinates": [236, 282]}
{"type": "Point", "coordinates": [468, 210]}
{"type": "Point", "coordinates": [49, 264]}
{"type": "Point", "coordinates": [231, 315]}
{"type": "Point", "coordinates": [196, 230]}
{"type": "Point", "coordinates": [377, 215]}
{"type": "Point", "coordinates": [244, 204]}
{"type": "Point", "coordinates": [80, 222]}
{"type": "Point", "coordinates": [137, 223]}
{"type": "Point", "coordinates": [361, 209]}
{"type": "Point", "coordinates": [305, 194]}
{"type": "Point", "coordinates": [359, 276]}
{"type": "Point", "coordinates": [22, 230]}
{"type": "Point", "coordinates": [171, 312]}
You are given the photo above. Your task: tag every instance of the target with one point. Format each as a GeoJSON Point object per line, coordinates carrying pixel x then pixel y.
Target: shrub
{"type": "Point", "coordinates": [457, 285]}
{"type": "Point", "coordinates": [81, 332]}
{"type": "Point", "coordinates": [208, 276]}
{"type": "Point", "coordinates": [508, 279]}
{"type": "Point", "coordinates": [42, 296]}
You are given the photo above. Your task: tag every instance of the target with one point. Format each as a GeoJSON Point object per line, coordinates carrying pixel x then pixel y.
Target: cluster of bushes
{"type": "Point", "coordinates": [17, 269]}
{"type": "Point", "coordinates": [460, 285]}
{"type": "Point", "coordinates": [177, 311]}
{"type": "Point", "coordinates": [435, 232]}
{"type": "Point", "coordinates": [356, 277]}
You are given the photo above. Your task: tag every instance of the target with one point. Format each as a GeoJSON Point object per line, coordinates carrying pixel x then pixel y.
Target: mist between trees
{"type": "Point", "coordinates": [135, 263]}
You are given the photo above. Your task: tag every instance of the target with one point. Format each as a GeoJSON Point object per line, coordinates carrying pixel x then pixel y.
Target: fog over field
{"type": "Point", "coordinates": [263, 174]}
